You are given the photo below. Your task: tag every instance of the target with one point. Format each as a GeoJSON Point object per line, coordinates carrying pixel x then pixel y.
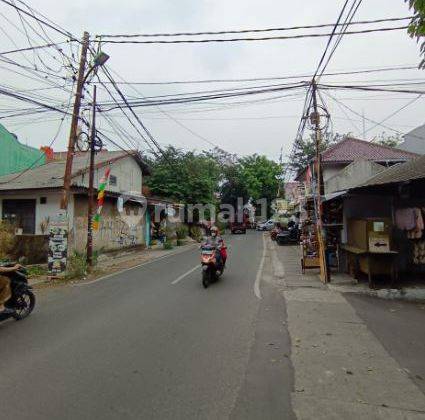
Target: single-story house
{"type": "Point", "coordinates": [30, 199]}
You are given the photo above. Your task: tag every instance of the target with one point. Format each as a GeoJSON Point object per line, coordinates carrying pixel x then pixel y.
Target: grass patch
{"type": "Point", "coordinates": [37, 270]}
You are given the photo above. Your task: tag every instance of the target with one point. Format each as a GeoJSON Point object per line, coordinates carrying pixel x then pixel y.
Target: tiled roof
{"type": "Point", "coordinates": [351, 149]}
{"type": "Point", "coordinates": [414, 169]}
{"type": "Point", "coordinates": [50, 175]}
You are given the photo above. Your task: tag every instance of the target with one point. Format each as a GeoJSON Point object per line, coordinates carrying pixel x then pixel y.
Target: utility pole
{"type": "Point", "coordinates": [315, 120]}
{"type": "Point", "coordinates": [364, 125]}
{"type": "Point", "coordinates": [74, 122]}
{"type": "Point", "coordinates": [90, 204]}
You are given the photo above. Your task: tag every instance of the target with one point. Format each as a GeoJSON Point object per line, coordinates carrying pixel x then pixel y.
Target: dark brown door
{"type": "Point", "coordinates": [21, 213]}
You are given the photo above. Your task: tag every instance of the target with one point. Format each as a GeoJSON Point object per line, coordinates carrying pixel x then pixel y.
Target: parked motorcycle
{"type": "Point", "coordinates": [23, 300]}
{"type": "Point", "coordinates": [211, 268]}
{"type": "Point", "coordinates": [289, 236]}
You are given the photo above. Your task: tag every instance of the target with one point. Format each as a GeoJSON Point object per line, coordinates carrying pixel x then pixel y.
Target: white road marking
{"type": "Point", "coordinates": [185, 274]}
{"type": "Point", "coordinates": [116, 273]}
{"type": "Point", "coordinates": [257, 291]}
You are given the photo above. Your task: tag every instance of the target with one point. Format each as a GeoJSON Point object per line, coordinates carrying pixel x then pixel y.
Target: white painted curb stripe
{"type": "Point", "coordinates": [257, 291]}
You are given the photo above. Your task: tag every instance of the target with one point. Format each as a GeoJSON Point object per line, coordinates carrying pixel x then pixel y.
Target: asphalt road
{"type": "Point", "coordinates": [151, 343]}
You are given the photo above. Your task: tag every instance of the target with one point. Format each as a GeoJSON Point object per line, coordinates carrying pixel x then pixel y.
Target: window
{"type": "Point", "coordinates": [113, 180]}
{"type": "Point", "coordinates": [21, 213]}
{"type": "Point", "coordinates": [43, 200]}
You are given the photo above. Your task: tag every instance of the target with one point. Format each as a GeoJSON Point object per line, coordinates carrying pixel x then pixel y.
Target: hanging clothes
{"type": "Point", "coordinates": [417, 231]}
{"type": "Point", "coordinates": [405, 219]}
{"type": "Point", "coordinates": [419, 253]}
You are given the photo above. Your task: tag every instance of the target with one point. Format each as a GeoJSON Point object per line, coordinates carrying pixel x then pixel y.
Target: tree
{"type": "Point", "coordinates": [417, 25]}
{"type": "Point", "coordinates": [388, 140]}
{"type": "Point", "coordinates": [261, 177]}
{"type": "Point", "coordinates": [233, 185]}
{"type": "Point", "coordinates": [185, 176]}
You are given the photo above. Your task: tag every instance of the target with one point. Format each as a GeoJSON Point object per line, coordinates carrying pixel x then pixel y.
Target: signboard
{"type": "Point", "coordinates": [379, 242]}
{"type": "Point", "coordinates": [58, 244]}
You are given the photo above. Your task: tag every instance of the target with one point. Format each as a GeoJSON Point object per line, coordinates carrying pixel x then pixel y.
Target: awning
{"type": "Point", "coordinates": [332, 196]}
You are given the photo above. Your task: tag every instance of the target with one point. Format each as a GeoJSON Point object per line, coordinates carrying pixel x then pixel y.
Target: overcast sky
{"type": "Point", "coordinates": [262, 127]}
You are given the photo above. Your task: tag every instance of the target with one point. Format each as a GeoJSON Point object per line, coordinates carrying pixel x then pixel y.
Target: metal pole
{"type": "Point", "coordinates": [74, 123]}
{"type": "Point", "coordinates": [90, 203]}
{"type": "Point", "coordinates": [322, 257]}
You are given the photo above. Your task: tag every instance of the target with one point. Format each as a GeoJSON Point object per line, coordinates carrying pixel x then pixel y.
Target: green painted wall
{"type": "Point", "coordinates": [14, 156]}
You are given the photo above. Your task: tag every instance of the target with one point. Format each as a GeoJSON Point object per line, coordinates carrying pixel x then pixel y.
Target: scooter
{"type": "Point", "coordinates": [22, 301]}
{"type": "Point", "coordinates": [288, 237]}
{"type": "Point", "coordinates": [211, 269]}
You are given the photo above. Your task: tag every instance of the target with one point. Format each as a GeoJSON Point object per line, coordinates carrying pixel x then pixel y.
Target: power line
{"type": "Point", "coordinates": [217, 40]}
{"type": "Point", "coordinates": [206, 97]}
{"type": "Point", "coordinates": [42, 21]}
{"type": "Point", "coordinates": [395, 112]}
{"type": "Point", "coordinates": [270, 78]}
{"type": "Point", "coordinates": [50, 145]}
{"type": "Point", "coordinates": [179, 123]}
{"type": "Point", "coordinates": [243, 31]}
{"type": "Point", "coordinates": [331, 35]}
{"type": "Point", "coordinates": [346, 24]}
{"type": "Point", "coordinates": [400, 133]}
{"type": "Point", "coordinates": [370, 88]}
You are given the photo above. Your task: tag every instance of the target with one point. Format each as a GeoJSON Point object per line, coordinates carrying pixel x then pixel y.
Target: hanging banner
{"type": "Point", "coordinates": [100, 199]}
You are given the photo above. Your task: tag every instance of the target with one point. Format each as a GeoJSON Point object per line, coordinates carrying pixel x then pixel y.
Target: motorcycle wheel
{"type": "Point", "coordinates": [205, 278]}
{"type": "Point", "coordinates": [24, 305]}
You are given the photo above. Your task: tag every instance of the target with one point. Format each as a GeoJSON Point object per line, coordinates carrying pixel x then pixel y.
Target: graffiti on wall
{"type": "Point", "coordinates": [114, 232]}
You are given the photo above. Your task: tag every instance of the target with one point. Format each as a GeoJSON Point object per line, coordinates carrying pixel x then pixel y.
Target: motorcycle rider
{"type": "Point", "coordinates": [5, 292]}
{"type": "Point", "coordinates": [217, 241]}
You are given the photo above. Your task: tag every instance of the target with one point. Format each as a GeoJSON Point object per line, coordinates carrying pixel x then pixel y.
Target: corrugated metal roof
{"type": "Point", "coordinates": [50, 175]}
{"type": "Point", "coordinates": [351, 149]}
{"type": "Point", "coordinates": [414, 169]}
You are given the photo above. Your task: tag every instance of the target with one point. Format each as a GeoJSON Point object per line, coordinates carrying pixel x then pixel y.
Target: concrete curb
{"type": "Point", "coordinates": [409, 294]}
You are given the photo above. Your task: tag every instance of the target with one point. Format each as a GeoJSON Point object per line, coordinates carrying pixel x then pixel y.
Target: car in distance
{"type": "Point", "coordinates": [236, 227]}
{"type": "Point", "coordinates": [268, 225]}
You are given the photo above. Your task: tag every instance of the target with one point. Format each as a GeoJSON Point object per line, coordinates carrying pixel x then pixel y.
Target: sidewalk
{"type": "Point", "coordinates": [342, 371]}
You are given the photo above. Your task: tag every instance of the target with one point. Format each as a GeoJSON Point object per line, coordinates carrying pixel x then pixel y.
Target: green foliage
{"type": "Point", "coordinates": [417, 25]}
{"type": "Point", "coordinates": [196, 233]}
{"type": "Point", "coordinates": [168, 244]}
{"type": "Point", "coordinates": [182, 232]}
{"type": "Point", "coordinates": [388, 140]}
{"type": "Point", "coordinates": [77, 267]}
{"type": "Point", "coordinates": [185, 176]}
{"type": "Point", "coordinates": [260, 176]}
{"type": "Point", "coordinates": [200, 178]}
{"type": "Point", "coordinates": [233, 185]}
{"type": "Point", "coordinates": [221, 226]}
{"type": "Point", "coordinates": [36, 270]}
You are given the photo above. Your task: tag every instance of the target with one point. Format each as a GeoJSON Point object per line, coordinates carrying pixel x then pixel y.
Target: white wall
{"type": "Point", "coordinates": [42, 211]}
{"type": "Point", "coordinates": [128, 174]}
